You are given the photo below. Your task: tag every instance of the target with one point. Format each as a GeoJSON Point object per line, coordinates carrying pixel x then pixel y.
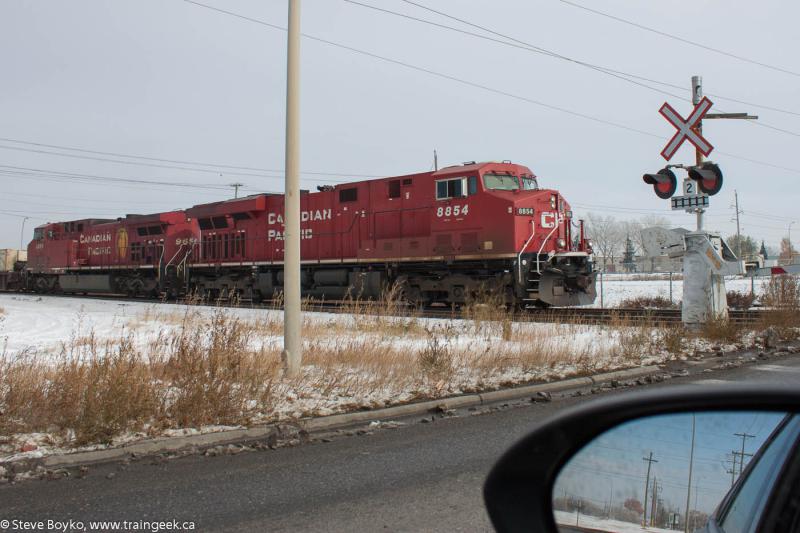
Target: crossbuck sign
{"type": "Point", "coordinates": [686, 128]}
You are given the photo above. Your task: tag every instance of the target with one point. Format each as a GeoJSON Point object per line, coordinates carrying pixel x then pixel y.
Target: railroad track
{"type": "Point", "coordinates": [571, 315]}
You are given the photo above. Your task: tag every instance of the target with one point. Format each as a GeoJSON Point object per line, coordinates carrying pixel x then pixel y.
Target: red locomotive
{"type": "Point", "coordinates": [443, 236]}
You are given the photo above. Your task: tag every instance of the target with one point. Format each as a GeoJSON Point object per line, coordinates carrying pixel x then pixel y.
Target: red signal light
{"type": "Point", "coordinates": [664, 183]}
{"type": "Point", "coordinates": [708, 177]}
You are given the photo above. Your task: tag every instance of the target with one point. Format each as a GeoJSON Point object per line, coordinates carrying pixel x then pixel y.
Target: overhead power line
{"type": "Point", "coordinates": [429, 71]}
{"type": "Point", "coordinates": [178, 161]}
{"type": "Point", "coordinates": [681, 39]}
{"type": "Point", "coordinates": [534, 48]}
{"type": "Point", "coordinates": [514, 44]}
{"type": "Point", "coordinates": [95, 177]}
{"type": "Point", "coordinates": [517, 43]}
{"type": "Point", "coordinates": [158, 165]}
{"type": "Point", "coordinates": [470, 83]}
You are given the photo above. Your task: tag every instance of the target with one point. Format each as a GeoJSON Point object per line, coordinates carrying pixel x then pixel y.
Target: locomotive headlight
{"type": "Point", "coordinates": [552, 201]}
{"type": "Point", "coordinates": [562, 243]}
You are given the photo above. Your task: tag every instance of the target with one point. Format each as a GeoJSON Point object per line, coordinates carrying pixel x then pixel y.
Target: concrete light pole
{"type": "Point", "coordinates": [292, 348]}
{"type": "Point", "coordinates": [22, 233]}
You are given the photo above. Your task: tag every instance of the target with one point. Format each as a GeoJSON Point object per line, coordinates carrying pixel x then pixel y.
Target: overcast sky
{"type": "Point", "coordinates": [175, 81]}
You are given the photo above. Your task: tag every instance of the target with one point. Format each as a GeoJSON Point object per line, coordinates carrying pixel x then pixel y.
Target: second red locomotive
{"type": "Point", "coordinates": [443, 236]}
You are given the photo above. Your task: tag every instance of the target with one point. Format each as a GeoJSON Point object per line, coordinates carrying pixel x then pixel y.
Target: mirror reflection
{"type": "Point", "coordinates": [682, 472]}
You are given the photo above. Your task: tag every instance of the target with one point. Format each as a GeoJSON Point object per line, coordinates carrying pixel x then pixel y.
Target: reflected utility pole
{"type": "Point", "coordinates": [691, 464]}
{"type": "Point", "coordinates": [732, 471]}
{"type": "Point", "coordinates": [741, 454]}
{"type": "Point", "coordinates": [650, 462]}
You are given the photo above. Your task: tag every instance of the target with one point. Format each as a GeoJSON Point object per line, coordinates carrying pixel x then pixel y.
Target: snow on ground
{"type": "Point", "coordinates": [351, 362]}
{"type": "Point", "coordinates": [602, 524]}
{"type": "Point", "coordinates": [619, 287]}
{"type": "Point", "coordinates": [45, 323]}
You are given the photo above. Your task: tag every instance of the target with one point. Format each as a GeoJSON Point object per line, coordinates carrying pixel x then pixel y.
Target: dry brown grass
{"type": "Point", "coordinates": [672, 338]}
{"type": "Point", "coordinates": [222, 367]}
{"type": "Point", "coordinates": [782, 297]}
{"type": "Point", "coordinates": [647, 302]}
{"type": "Point", "coordinates": [203, 373]}
{"type": "Point", "coordinates": [722, 330]}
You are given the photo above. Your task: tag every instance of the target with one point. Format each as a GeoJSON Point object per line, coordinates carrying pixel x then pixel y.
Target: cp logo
{"type": "Point", "coordinates": [548, 220]}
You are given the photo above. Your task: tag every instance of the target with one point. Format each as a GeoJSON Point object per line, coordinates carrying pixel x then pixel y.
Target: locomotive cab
{"type": "Point", "coordinates": [548, 255]}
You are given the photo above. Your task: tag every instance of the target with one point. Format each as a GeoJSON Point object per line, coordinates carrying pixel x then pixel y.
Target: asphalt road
{"type": "Point", "coordinates": [418, 477]}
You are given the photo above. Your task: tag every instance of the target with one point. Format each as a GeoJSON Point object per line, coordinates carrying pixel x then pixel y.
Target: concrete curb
{"type": "Point", "coordinates": [171, 444]}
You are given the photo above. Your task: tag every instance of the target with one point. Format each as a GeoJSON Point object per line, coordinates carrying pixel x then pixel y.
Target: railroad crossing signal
{"type": "Point", "coordinates": [708, 177]}
{"type": "Point", "coordinates": [704, 180]}
{"type": "Point", "coordinates": [664, 182]}
{"type": "Point", "coordinates": [686, 128]}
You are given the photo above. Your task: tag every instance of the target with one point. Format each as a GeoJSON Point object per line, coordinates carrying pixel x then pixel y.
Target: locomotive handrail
{"type": "Point", "coordinates": [558, 221]}
{"type": "Point", "coordinates": [173, 257]}
{"type": "Point", "coordinates": [519, 256]}
{"type": "Point", "coordinates": [161, 262]}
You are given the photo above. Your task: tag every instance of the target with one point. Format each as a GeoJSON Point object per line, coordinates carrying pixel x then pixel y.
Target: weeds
{"type": "Point", "coordinates": [781, 297]}
{"type": "Point", "coordinates": [647, 302]}
{"type": "Point", "coordinates": [740, 300]}
{"type": "Point", "coordinates": [722, 330]}
{"type": "Point", "coordinates": [199, 366]}
{"type": "Point", "coordinates": [436, 359]}
{"type": "Point", "coordinates": [671, 338]}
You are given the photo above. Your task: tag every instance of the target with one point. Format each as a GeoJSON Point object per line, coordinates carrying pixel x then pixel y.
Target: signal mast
{"type": "Point", "coordinates": [706, 257]}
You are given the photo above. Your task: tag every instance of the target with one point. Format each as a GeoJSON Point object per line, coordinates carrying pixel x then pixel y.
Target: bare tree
{"type": "Point", "coordinates": [787, 251]}
{"type": "Point", "coordinates": [606, 236]}
{"type": "Point", "coordinates": [648, 221]}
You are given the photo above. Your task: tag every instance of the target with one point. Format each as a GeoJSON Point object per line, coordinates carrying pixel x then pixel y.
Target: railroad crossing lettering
{"type": "Point", "coordinates": [686, 128]}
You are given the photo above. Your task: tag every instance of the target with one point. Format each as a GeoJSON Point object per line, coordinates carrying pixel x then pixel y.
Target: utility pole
{"type": "Point", "coordinates": [697, 96]}
{"type": "Point", "coordinates": [236, 188]}
{"type": "Point", "coordinates": [435, 161]}
{"type": "Point", "coordinates": [741, 454]}
{"type": "Point", "coordinates": [738, 229]}
{"type": "Point", "coordinates": [292, 348]}
{"type": "Point", "coordinates": [689, 485]}
{"type": "Point", "coordinates": [650, 462]}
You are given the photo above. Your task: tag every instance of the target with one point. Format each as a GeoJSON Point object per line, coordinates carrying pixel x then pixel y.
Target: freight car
{"type": "Point", "coordinates": [441, 236]}
{"type": "Point", "coordinates": [12, 266]}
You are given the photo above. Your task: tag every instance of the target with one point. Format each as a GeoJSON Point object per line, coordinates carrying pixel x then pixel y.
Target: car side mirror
{"type": "Point", "coordinates": [634, 460]}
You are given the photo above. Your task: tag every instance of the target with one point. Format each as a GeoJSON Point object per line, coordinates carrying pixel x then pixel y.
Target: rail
{"type": "Point", "coordinates": [564, 315]}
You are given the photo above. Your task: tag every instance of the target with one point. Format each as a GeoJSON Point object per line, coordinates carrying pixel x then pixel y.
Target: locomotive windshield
{"type": "Point", "coordinates": [529, 183]}
{"type": "Point", "coordinates": [500, 182]}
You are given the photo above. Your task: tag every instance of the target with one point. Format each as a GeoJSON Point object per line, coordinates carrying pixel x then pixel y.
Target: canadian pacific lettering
{"type": "Point", "coordinates": [305, 216]}
{"type": "Point", "coordinates": [97, 238]}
